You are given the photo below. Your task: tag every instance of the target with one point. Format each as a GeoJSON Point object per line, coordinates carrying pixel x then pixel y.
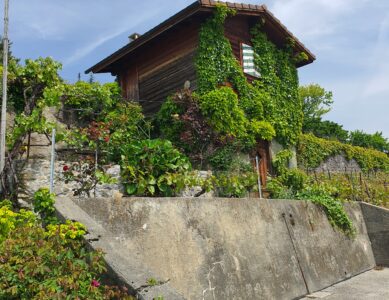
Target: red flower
{"type": "Point", "coordinates": [95, 283]}
{"type": "Point", "coordinates": [65, 168]}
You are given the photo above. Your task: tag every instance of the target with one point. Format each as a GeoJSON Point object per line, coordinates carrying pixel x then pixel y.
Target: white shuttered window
{"type": "Point", "coordinates": [248, 61]}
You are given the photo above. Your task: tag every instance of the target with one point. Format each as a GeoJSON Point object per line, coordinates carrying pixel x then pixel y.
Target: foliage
{"type": "Point", "coordinates": [279, 80]}
{"type": "Point", "coordinates": [221, 108]}
{"type": "Point", "coordinates": [227, 158]}
{"type": "Point", "coordinates": [319, 194]}
{"type": "Point", "coordinates": [86, 175]}
{"type": "Point", "coordinates": [181, 121]}
{"type": "Point", "coordinates": [369, 187]}
{"type": "Point", "coordinates": [325, 129]}
{"type": "Point", "coordinates": [68, 231]}
{"type": "Point", "coordinates": [272, 98]}
{"type": "Point", "coordinates": [316, 101]}
{"type": "Point", "coordinates": [30, 82]}
{"type": "Point", "coordinates": [9, 220]}
{"type": "Point", "coordinates": [124, 122]}
{"type": "Point", "coordinates": [312, 151]}
{"type": "Point", "coordinates": [281, 160]}
{"type": "Point", "coordinates": [32, 88]}
{"type": "Point", "coordinates": [90, 99]}
{"type": "Point", "coordinates": [236, 185]}
{"type": "Point", "coordinates": [43, 202]}
{"type": "Point", "coordinates": [36, 264]}
{"type": "Point", "coordinates": [374, 141]}
{"type": "Point", "coordinates": [295, 184]}
{"type": "Point", "coordinates": [153, 167]}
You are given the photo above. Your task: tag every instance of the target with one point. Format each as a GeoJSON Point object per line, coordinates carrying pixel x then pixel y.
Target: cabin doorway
{"type": "Point", "coordinates": [262, 151]}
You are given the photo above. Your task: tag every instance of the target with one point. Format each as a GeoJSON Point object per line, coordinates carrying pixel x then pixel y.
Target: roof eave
{"type": "Point", "coordinates": [175, 19]}
{"type": "Point", "coordinates": [201, 5]}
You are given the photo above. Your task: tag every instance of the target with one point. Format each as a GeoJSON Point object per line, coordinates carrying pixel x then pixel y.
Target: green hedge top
{"type": "Point", "coordinates": [312, 151]}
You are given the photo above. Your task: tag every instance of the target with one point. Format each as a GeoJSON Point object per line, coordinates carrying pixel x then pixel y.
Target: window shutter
{"type": "Point", "coordinates": [248, 61]}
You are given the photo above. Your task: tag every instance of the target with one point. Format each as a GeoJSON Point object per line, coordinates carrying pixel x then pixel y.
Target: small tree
{"type": "Point", "coordinates": [316, 101]}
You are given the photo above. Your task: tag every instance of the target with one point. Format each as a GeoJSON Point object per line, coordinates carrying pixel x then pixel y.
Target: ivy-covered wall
{"type": "Point", "coordinates": [237, 112]}
{"type": "Point", "coordinates": [273, 97]}
{"type": "Point", "coordinates": [312, 151]}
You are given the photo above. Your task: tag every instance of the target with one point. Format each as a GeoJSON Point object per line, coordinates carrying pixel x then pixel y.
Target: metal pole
{"type": "Point", "coordinates": [259, 177]}
{"type": "Point", "coordinates": [4, 86]}
{"type": "Point", "coordinates": [52, 162]}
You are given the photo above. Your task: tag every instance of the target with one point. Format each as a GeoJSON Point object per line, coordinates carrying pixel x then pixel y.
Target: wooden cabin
{"type": "Point", "coordinates": [156, 64]}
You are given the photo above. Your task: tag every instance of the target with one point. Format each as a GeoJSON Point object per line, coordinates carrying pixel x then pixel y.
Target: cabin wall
{"type": "Point", "coordinates": [161, 68]}
{"type": "Point", "coordinates": [237, 31]}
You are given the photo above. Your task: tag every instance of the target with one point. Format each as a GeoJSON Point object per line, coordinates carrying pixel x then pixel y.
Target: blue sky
{"type": "Point", "coordinates": [349, 37]}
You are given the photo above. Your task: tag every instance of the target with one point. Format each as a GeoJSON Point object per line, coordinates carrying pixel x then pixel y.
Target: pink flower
{"type": "Point", "coordinates": [95, 283]}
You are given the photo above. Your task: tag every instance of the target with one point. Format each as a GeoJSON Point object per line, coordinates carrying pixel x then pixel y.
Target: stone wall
{"type": "Point", "coordinates": [35, 174]}
{"type": "Point", "coordinates": [338, 164]}
{"type": "Point", "coordinates": [377, 223]}
{"type": "Point", "coordinates": [229, 248]}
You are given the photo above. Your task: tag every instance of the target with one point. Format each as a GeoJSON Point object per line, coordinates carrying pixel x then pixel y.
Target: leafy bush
{"type": "Point", "coordinates": [51, 263]}
{"type": "Point", "coordinates": [281, 160]}
{"type": "Point", "coordinates": [43, 202]}
{"type": "Point", "coordinates": [337, 216]}
{"type": "Point", "coordinates": [37, 265]}
{"type": "Point", "coordinates": [232, 185]}
{"type": "Point", "coordinates": [153, 167]}
{"type": "Point", "coordinates": [9, 220]}
{"type": "Point", "coordinates": [90, 99]}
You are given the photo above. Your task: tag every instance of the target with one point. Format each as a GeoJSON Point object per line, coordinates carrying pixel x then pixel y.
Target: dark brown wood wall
{"type": "Point", "coordinates": [156, 86]}
{"type": "Point", "coordinates": [161, 67]}
{"type": "Point", "coordinates": [237, 30]}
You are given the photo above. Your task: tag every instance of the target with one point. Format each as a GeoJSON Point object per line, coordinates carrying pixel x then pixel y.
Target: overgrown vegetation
{"type": "Point", "coordinates": [312, 151]}
{"type": "Point", "coordinates": [295, 184]}
{"type": "Point", "coordinates": [51, 263]}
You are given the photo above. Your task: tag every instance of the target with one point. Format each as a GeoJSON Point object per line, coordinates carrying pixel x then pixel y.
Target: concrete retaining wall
{"type": "Point", "coordinates": [230, 248]}
{"type": "Point", "coordinates": [377, 223]}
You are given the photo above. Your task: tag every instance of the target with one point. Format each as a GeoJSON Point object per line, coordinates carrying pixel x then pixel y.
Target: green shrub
{"type": "Point", "coordinates": [321, 195]}
{"type": "Point", "coordinates": [43, 202]}
{"type": "Point", "coordinates": [38, 265]}
{"type": "Point", "coordinates": [9, 219]}
{"type": "Point", "coordinates": [154, 168]}
{"type": "Point", "coordinates": [232, 185]}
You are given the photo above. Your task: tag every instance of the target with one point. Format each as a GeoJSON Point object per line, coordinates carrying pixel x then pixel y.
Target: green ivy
{"type": "Point", "coordinates": [312, 151]}
{"type": "Point", "coordinates": [279, 79]}
{"type": "Point", "coordinates": [221, 108]}
{"type": "Point", "coordinates": [272, 99]}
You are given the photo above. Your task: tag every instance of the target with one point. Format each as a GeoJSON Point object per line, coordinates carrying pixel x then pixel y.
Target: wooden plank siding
{"type": "Point", "coordinates": [237, 31]}
{"type": "Point", "coordinates": [161, 68]}
{"type": "Point", "coordinates": [158, 85]}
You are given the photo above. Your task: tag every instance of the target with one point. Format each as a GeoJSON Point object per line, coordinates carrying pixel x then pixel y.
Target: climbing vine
{"type": "Point", "coordinates": [273, 98]}
{"type": "Point", "coordinates": [312, 151]}
{"type": "Point", "coordinates": [279, 79]}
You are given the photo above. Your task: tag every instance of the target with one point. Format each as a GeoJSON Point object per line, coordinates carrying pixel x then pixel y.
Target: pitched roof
{"type": "Point", "coordinates": [199, 6]}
